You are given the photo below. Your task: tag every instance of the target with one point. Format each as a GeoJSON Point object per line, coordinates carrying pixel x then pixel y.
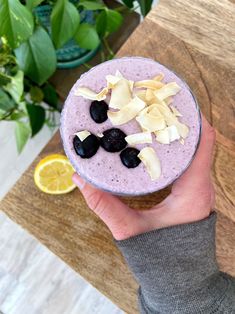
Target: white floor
{"type": "Point", "coordinates": [32, 279]}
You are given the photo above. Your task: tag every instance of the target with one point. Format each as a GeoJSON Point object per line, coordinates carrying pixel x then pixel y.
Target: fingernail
{"type": "Point", "coordinates": [78, 181]}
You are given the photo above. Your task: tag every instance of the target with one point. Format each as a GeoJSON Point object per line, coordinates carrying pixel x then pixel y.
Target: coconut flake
{"type": "Point", "coordinates": [149, 84]}
{"type": "Point", "coordinates": [158, 77]}
{"type": "Point", "coordinates": [181, 141]}
{"type": "Point", "coordinates": [121, 94]}
{"type": "Point", "coordinates": [87, 93]}
{"type": "Point", "coordinates": [151, 161]}
{"type": "Point", "coordinates": [168, 100]}
{"type": "Point", "coordinates": [153, 110]}
{"type": "Point", "coordinates": [146, 95]}
{"type": "Point", "coordinates": [150, 122]}
{"type": "Point", "coordinates": [173, 133]}
{"type": "Point", "coordinates": [131, 84]}
{"type": "Point", "coordinates": [118, 74]}
{"type": "Point", "coordinates": [139, 138]}
{"type": "Point", "coordinates": [143, 112]}
{"type": "Point", "coordinates": [141, 94]}
{"type": "Point", "coordinates": [100, 134]}
{"type": "Point", "coordinates": [126, 113]}
{"type": "Point", "coordinates": [164, 109]}
{"type": "Point", "coordinates": [168, 135]}
{"type": "Point", "coordinates": [175, 111]}
{"type": "Point", "coordinates": [112, 80]}
{"type": "Point", "coordinates": [82, 135]}
{"type": "Point", "coordinates": [150, 97]}
{"type": "Point", "coordinates": [167, 91]}
{"type": "Point", "coordinates": [183, 129]}
{"type": "Point", "coordinates": [163, 136]}
{"type": "Point", "coordinates": [167, 115]}
{"type": "Point", "coordinates": [171, 119]}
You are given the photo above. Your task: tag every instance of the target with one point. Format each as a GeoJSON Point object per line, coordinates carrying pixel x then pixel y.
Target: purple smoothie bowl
{"type": "Point", "coordinates": [105, 170]}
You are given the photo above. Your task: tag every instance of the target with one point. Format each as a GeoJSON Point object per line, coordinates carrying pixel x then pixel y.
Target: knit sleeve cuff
{"type": "Point", "coordinates": [176, 266]}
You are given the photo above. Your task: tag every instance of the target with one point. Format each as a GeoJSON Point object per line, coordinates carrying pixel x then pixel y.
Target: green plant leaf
{"type": "Point", "coordinates": [37, 57]}
{"type": "Point", "coordinates": [50, 95]}
{"type": "Point", "coordinates": [64, 22]}
{"type": "Point", "coordinates": [22, 106]}
{"type": "Point", "coordinates": [114, 20]}
{"type": "Point", "coordinates": [87, 36]}
{"type": "Point", "coordinates": [90, 5]}
{"type": "Point", "coordinates": [4, 79]}
{"type": "Point", "coordinates": [33, 3]}
{"type": "Point", "coordinates": [16, 87]}
{"type": "Point", "coordinates": [145, 6]}
{"type": "Point", "coordinates": [6, 103]}
{"type": "Point", "coordinates": [22, 134]}
{"type": "Point", "coordinates": [18, 115]}
{"type": "Point", "coordinates": [128, 3]}
{"type": "Point", "coordinates": [36, 94]}
{"type": "Point", "coordinates": [16, 22]}
{"type": "Point", "coordinates": [6, 58]}
{"type": "Point", "coordinates": [101, 24]}
{"type": "Point", "coordinates": [37, 117]}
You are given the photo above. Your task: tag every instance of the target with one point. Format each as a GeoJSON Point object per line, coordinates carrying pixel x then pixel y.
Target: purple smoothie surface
{"type": "Point", "coordinates": [105, 170]}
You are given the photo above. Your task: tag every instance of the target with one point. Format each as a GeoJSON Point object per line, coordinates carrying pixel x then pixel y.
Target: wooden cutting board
{"type": "Point", "coordinates": [196, 39]}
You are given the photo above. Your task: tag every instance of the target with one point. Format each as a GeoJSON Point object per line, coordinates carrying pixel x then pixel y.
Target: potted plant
{"type": "Point", "coordinates": [22, 101]}
{"type": "Point", "coordinates": [37, 36]}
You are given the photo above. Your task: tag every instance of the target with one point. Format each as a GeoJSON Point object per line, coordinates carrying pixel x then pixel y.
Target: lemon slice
{"type": "Point", "coordinates": [53, 175]}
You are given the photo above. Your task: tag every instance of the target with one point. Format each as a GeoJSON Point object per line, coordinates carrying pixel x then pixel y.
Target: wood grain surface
{"type": "Point", "coordinates": [201, 24]}
{"type": "Point", "coordinates": [182, 37]}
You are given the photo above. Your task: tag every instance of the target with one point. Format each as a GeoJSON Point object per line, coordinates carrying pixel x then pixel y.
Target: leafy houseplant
{"type": "Point", "coordinates": [29, 51]}
{"type": "Point", "coordinates": [21, 99]}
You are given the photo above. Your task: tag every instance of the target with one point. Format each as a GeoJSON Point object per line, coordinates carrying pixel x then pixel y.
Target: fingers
{"type": "Point", "coordinates": [116, 215]}
{"type": "Point", "coordinates": [192, 195]}
{"type": "Point", "coordinates": [194, 188]}
{"type": "Point", "coordinates": [204, 155]}
{"type": "Point", "coordinates": [199, 171]}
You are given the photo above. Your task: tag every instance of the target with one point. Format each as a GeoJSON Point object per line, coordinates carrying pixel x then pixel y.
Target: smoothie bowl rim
{"type": "Point", "coordinates": [178, 175]}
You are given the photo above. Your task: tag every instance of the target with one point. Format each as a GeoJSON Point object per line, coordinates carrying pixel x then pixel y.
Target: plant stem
{"type": "Point", "coordinates": [87, 65]}
{"type": "Point", "coordinates": [52, 109]}
{"type": "Point", "coordinates": [7, 115]}
{"type": "Point", "coordinates": [102, 56]}
{"type": "Point", "coordinates": [110, 51]}
{"type": "Point", "coordinates": [121, 9]}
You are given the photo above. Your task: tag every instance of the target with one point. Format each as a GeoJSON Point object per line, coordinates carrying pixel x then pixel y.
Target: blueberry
{"type": "Point", "coordinates": [129, 157]}
{"type": "Point", "coordinates": [113, 140]}
{"type": "Point", "coordinates": [98, 111]}
{"type": "Point", "coordinates": [86, 148]}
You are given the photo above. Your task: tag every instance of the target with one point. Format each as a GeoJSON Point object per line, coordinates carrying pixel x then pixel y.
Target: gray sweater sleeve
{"type": "Point", "coordinates": [177, 270]}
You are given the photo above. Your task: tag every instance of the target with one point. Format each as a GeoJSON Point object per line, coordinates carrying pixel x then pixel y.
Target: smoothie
{"type": "Point", "coordinates": [104, 167]}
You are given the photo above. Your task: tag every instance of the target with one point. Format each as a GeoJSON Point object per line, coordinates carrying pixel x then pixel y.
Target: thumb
{"type": "Point", "coordinates": [116, 215]}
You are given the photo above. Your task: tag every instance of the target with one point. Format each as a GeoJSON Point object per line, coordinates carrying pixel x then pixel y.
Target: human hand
{"type": "Point", "coordinates": [191, 198]}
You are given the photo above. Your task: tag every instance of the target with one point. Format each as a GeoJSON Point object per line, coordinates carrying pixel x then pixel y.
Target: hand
{"type": "Point", "coordinates": [191, 198]}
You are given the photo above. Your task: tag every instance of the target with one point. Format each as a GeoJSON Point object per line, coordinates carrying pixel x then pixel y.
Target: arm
{"type": "Point", "coordinates": [177, 270]}
{"type": "Point", "coordinates": [171, 247]}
